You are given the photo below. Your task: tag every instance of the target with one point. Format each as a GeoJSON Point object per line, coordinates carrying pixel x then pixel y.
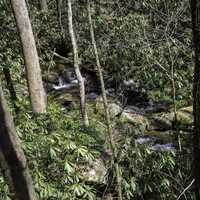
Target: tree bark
{"type": "Point", "coordinates": [43, 5]}
{"type": "Point", "coordinates": [195, 10]}
{"type": "Point", "coordinates": [59, 9]}
{"type": "Point", "coordinates": [12, 158]}
{"type": "Point", "coordinates": [81, 81]}
{"type": "Point", "coordinates": [34, 78]}
{"type": "Point", "coordinates": [105, 102]}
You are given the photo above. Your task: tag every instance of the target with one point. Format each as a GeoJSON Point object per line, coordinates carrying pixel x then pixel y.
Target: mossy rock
{"type": "Point", "coordinates": [188, 109]}
{"type": "Point", "coordinates": [136, 120]}
{"type": "Point", "coordinates": [117, 114]}
{"type": "Point", "coordinates": [65, 97]}
{"type": "Point", "coordinates": [158, 121]}
{"type": "Point", "coordinates": [66, 100]}
{"type": "Point", "coordinates": [51, 77]}
{"type": "Point", "coordinates": [163, 121]}
{"type": "Point", "coordinates": [95, 172]}
{"type": "Point", "coordinates": [185, 116]}
{"type": "Point", "coordinates": [60, 67]}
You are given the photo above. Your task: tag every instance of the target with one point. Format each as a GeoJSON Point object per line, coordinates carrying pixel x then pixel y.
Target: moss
{"type": "Point", "coordinates": [188, 110]}
{"type": "Point", "coordinates": [184, 118]}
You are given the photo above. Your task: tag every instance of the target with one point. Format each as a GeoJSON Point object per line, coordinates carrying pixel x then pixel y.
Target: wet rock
{"type": "Point", "coordinates": [68, 75]}
{"type": "Point", "coordinates": [146, 121]}
{"type": "Point", "coordinates": [144, 140]}
{"type": "Point", "coordinates": [157, 107]}
{"type": "Point", "coordinates": [60, 67]}
{"type": "Point", "coordinates": [163, 147]}
{"type": "Point", "coordinates": [118, 114]}
{"type": "Point", "coordinates": [161, 121]}
{"type": "Point", "coordinates": [92, 96]}
{"type": "Point", "coordinates": [136, 120]}
{"type": "Point", "coordinates": [51, 78]}
{"type": "Point", "coordinates": [114, 110]}
{"type": "Point", "coordinates": [164, 121]}
{"type": "Point", "coordinates": [164, 136]}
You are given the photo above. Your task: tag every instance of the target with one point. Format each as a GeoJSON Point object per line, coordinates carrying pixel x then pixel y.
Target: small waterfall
{"type": "Point", "coordinates": [63, 85]}
{"type": "Point", "coordinates": [60, 82]}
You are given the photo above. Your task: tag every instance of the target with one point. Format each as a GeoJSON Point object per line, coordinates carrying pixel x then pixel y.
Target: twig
{"type": "Point", "coordinates": [165, 70]}
{"type": "Point", "coordinates": [61, 57]}
{"type": "Point", "coordinates": [174, 179]}
{"type": "Point", "coordinates": [183, 192]}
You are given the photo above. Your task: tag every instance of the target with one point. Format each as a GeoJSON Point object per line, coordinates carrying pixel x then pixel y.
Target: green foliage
{"type": "Point", "coordinates": [136, 40]}
{"type": "Point", "coordinates": [55, 147]}
{"type": "Point", "coordinates": [154, 174]}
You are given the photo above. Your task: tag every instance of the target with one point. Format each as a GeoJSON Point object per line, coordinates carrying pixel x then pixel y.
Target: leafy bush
{"type": "Point", "coordinates": [56, 147]}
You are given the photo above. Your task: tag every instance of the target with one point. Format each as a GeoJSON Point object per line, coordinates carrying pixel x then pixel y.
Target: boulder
{"type": "Point", "coordinates": [164, 121]}
{"type": "Point", "coordinates": [66, 99]}
{"type": "Point", "coordinates": [114, 110]}
{"type": "Point", "coordinates": [51, 78]}
{"type": "Point", "coordinates": [161, 121]}
{"type": "Point", "coordinates": [164, 136]}
{"type": "Point", "coordinates": [185, 116]}
{"type": "Point", "coordinates": [68, 75]}
{"type": "Point", "coordinates": [95, 172]}
{"type": "Point", "coordinates": [118, 114]}
{"type": "Point", "coordinates": [135, 119]}
{"type": "Point", "coordinates": [60, 67]}
{"type": "Point", "coordinates": [158, 121]}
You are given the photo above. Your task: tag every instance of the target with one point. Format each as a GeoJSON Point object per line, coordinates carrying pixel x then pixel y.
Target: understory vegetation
{"type": "Point", "coordinates": [145, 51]}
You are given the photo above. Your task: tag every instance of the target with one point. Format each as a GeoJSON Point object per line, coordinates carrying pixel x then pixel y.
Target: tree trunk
{"type": "Point", "coordinates": [43, 5]}
{"type": "Point", "coordinates": [36, 90]}
{"type": "Point", "coordinates": [12, 158]}
{"type": "Point", "coordinates": [105, 102]}
{"type": "Point", "coordinates": [76, 67]}
{"type": "Point", "coordinates": [195, 9]}
{"type": "Point", "coordinates": [59, 9]}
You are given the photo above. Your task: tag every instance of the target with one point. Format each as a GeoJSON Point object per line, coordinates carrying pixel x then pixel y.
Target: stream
{"type": "Point", "coordinates": [66, 83]}
{"type": "Point", "coordinates": [153, 120]}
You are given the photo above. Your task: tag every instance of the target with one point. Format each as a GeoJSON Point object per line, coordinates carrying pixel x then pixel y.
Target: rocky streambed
{"type": "Point", "coordinates": [140, 120]}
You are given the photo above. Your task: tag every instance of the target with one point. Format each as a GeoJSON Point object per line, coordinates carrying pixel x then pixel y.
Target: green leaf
{"type": "Point", "coordinates": [68, 167]}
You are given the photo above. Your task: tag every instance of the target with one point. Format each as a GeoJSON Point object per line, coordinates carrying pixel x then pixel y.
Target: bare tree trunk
{"type": "Point", "coordinates": [43, 5]}
{"type": "Point", "coordinates": [105, 102]}
{"type": "Point", "coordinates": [195, 9]}
{"type": "Point", "coordinates": [12, 158]}
{"type": "Point", "coordinates": [76, 67]}
{"type": "Point", "coordinates": [59, 8]}
{"type": "Point", "coordinates": [36, 90]}
{"type": "Point", "coordinates": [173, 89]}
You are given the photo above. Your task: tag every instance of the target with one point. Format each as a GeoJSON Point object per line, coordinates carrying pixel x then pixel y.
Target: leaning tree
{"type": "Point", "coordinates": [34, 78]}
{"type": "Point", "coordinates": [12, 159]}
{"type": "Point", "coordinates": [195, 11]}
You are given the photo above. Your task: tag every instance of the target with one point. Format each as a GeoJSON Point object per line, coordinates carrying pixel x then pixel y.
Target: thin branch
{"type": "Point", "coordinates": [61, 57]}
{"type": "Point", "coordinates": [165, 70]}
{"type": "Point", "coordinates": [183, 192]}
{"type": "Point", "coordinates": [174, 179]}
